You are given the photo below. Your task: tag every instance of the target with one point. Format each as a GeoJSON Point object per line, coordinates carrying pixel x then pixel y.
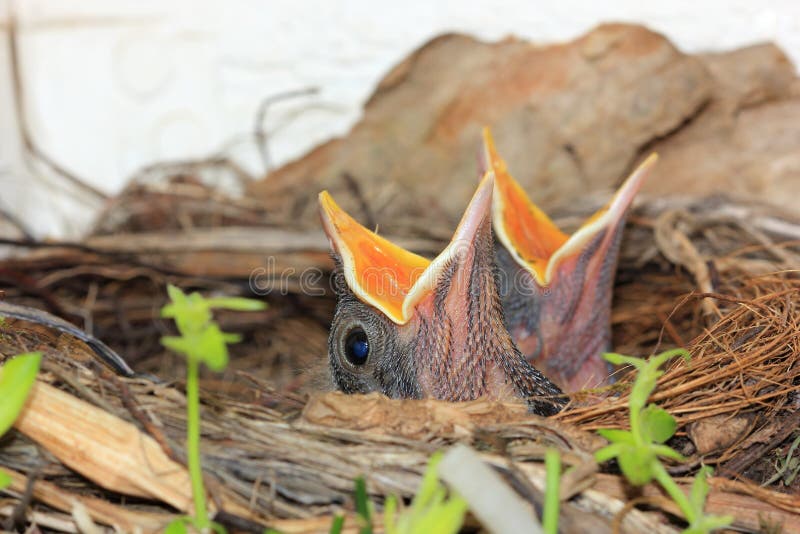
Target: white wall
{"type": "Point", "coordinates": [111, 86]}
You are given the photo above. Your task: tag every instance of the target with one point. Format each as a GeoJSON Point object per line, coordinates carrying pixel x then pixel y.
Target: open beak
{"type": "Point", "coordinates": [390, 278]}
{"type": "Point", "coordinates": [378, 272]}
{"type": "Point", "coordinates": [568, 324]}
{"type": "Point", "coordinates": [447, 309]}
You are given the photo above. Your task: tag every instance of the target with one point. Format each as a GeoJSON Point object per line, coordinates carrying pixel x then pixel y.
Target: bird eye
{"type": "Point", "coordinates": [356, 347]}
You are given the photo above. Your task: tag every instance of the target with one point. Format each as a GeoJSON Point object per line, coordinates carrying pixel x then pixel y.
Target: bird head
{"type": "Point", "coordinates": [410, 327]}
{"type": "Point", "coordinates": [557, 288]}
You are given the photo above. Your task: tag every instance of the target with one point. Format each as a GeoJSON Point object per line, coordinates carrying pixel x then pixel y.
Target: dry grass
{"type": "Point", "coordinates": [746, 362]}
{"type": "Point", "coordinates": [713, 276]}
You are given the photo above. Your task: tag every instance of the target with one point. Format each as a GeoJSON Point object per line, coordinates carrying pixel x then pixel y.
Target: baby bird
{"type": "Point", "coordinates": [410, 327]}
{"type": "Point", "coordinates": [556, 288]}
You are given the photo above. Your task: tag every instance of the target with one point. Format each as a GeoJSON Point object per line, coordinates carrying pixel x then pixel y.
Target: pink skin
{"type": "Point", "coordinates": [451, 341]}
{"type": "Point", "coordinates": [472, 362]}
{"type": "Point", "coordinates": [564, 327]}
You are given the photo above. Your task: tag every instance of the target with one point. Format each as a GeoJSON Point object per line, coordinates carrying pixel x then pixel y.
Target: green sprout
{"type": "Point", "coordinates": [552, 465]}
{"type": "Point", "coordinates": [637, 450]}
{"type": "Point", "coordinates": [700, 523]}
{"type": "Point", "coordinates": [432, 510]}
{"type": "Point", "coordinates": [337, 525]}
{"type": "Point", "coordinates": [200, 341]}
{"type": "Point", "coordinates": [16, 380]}
{"type": "Point", "coordinates": [364, 507]}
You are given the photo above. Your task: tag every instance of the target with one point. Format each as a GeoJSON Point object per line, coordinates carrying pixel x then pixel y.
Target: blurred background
{"type": "Point", "coordinates": [102, 89]}
{"type": "Point", "coordinates": [153, 142]}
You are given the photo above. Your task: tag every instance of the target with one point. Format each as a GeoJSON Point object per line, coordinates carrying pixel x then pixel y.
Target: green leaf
{"type": "Point", "coordinates": [236, 303]}
{"type": "Point", "coordinates": [709, 523]}
{"type": "Point", "coordinates": [638, 451]}
{"type": "Point", "coordinates": [635, 464]}
{"type": "Point", "coordinates": [608, 452]}
{"type": "Point", "coordinates": [431, 510]}
{"type": "Point", "coordinates": [699, 491]}
{"type": "Point", "coordinates": [362, 505]}
{"type": "Point", "coordinates": [175, 293]}
{"type": "Point", "coordinates": [201, 338]}
{"type": "Point", "coordinates": [178, 526]}
{"type": "Point", "coordinates": [444, 517]}
{"type": "Point", "coordinates": [429, 485]}
{"type": "Point", "coordinates": [337, 525]}
{"type": "Point", "coordinates": [616, 436]}
{"type": "Point", "coordinates": [191, 313]}
{"type": "Point", "coordinates": [168, 311]}
{"type": "Point", "coordinates": [620, 359]}
{"type": "Point", "coordinates": [208, 346]}
{"type": "Point", "coordinates": [390, 519]}
{"type": "Point", "coordinates": [648, 375]}
{"type": "Point", "coordinates": [211, 348]}
{"type": "Point", "coordinates": [16, 379]}
{"type": "Point", "coordinates": [552, 464]}
{"type": "Point", "coordinates": [5, 479]}
{"type": "Point", "coordinates": [643, 387]}
{"type": "Point", "coordinates": [200, 341]}
{"type": "Point", "coordinates": [230, 339]}
{"type": "Point", "coordinates": [662, 358]}
{"type": "Point", "coordinates": [177, 344]}
{"type": "Point", "coordinates": [668, 452]}
{"type": "Point", "coordinates": [697, 499]}
{"type": "Point", "coordinates": [657, 424]}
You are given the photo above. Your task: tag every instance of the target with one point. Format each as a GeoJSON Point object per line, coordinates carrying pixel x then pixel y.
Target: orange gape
{"type": "Point", "coordinates": [409, 327]}
{"type": "Point", "coordinates": [383, 272]}
{"type": "Point", "coordinates": [534, 236]}
{"type": "Point", "coordinates": [530, 234]}
{"type": "Point", "coordinates": [558, 306]}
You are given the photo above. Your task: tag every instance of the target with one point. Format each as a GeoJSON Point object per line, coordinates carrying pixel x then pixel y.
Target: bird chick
{"type": "Point", "coordinates": [556, 288]}
{"type": "Point", "coordinates": [410, 327]}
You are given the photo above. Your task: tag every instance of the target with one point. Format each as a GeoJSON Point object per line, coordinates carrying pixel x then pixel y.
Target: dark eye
{"type": "Point", "coordinates": [356, 347]}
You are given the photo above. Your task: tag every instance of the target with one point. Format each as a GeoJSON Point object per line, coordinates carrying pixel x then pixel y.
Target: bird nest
{"type": "Point", "coordinates": [94, 448]}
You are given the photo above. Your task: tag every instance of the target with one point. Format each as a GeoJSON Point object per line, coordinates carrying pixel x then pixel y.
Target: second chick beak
{"type": "Point", "coordinates": [558, 301]}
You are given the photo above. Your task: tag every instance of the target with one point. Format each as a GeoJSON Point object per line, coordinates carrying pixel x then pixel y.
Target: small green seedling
{"type": "Point", "coordinates": [364, 510]}
{"type": "Point", "coordinates": [552, 465]}
{"type": "Point", "coordinates": [16, 379]}
{"type": "Point", "coordinates": [364, 507]}
{"type": "Point", "coordinates": [200, 341]}
{"type": "Point", "coordinates": [700, 523]}
{"type": "Point", "coordinates": [637, 450]}
{"type": "Point", "coordinates": [432, 510]}
{"type": "Point", "coordinates": [337, 525]}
